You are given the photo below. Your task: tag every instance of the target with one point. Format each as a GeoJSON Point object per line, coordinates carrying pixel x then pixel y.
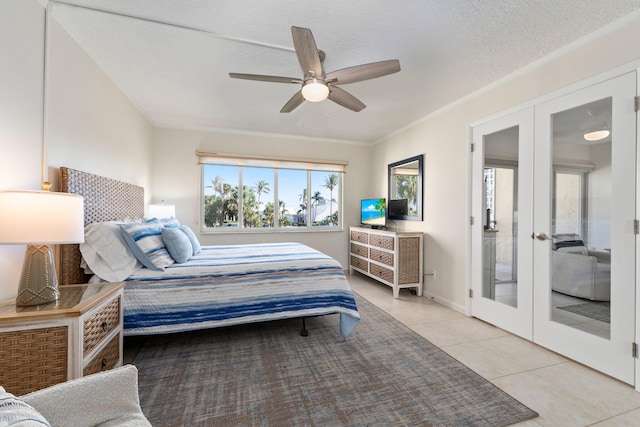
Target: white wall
{"type": "Point", "coordinates": [91, 125]}
{"type": "Point", "coordinates": [21, 35]}
{"type": "Point", "coordinates": [443, 139]}
{"type": "Point", "coordinates": [176, 180]}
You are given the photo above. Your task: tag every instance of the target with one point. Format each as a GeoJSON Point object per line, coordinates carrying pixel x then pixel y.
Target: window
{"type": "Point", "coordinates": [569, 203]}
{"type": "Point", "coordinates": [276, 195]}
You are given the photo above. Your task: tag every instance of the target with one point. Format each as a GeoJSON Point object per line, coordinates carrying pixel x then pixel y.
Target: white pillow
{"type": "Point", "coordinates": [106, 253]}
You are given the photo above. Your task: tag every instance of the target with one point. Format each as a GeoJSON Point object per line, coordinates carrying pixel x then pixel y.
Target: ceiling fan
{"type": "Point", "coordinates": [318, 85]}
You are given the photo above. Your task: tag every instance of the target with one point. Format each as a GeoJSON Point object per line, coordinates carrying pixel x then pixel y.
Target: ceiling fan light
{"type": "Point", "coordinates": [596, 135]}
{"type": "Point", "coordinates": [315, 91]}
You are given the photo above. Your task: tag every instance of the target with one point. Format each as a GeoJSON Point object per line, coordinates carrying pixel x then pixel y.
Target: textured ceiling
{"type": "Point", "coordinates": [446, 48]}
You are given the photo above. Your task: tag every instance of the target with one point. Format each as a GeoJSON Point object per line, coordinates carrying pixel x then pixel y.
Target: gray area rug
{"type": "Point", "coordinates": [599, 310]}
{"type": "Point", "coordinates": [266, 374]}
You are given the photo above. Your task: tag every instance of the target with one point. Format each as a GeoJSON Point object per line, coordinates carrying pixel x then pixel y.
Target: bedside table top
{"type": "Point", "coordinates": [74, 300]}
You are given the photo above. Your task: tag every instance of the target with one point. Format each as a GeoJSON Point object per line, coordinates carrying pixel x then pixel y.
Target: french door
{"type": "Point", "coordinates": [591, 131]}
{"type": "Point", "coordinates": [573, 186]}
{"type": "Point", "coordinates": [502, 210]}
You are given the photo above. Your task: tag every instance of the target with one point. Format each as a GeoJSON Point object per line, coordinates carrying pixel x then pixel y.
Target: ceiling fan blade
{"type": "Point", "coordinates": [307, 52]}
{"type": "Point", "coordinates": [363, 72]}
{"type": "Point", "coordinates": [262, 78]}
{"type": "Point", "coordinates": [344, 98]}
{"type": "Point", "coordinates": [293, 103]}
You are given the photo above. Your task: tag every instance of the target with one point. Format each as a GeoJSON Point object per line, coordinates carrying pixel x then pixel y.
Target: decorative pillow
{"type": "Point", "coordinates": [145, 241]}
{"type": "Point", "coordinates": [192, 238]}
{"type": "Point", "coordinates": [105, 252]}
{"type": "Point", "coordinates": [177, 244]}
{"type": "Point", "coordinates": [18, 413]}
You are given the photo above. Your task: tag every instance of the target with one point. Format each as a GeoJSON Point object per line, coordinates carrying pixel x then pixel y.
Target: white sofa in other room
{"type": "Point", "coordinates": [579, 272]}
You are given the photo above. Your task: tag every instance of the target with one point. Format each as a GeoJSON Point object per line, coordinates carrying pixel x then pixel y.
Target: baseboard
{"type": "Point", "coordinates": [443, 301]}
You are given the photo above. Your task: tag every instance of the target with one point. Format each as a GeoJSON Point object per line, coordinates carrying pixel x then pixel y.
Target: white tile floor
{"type": "Point", "coordinates": [563, 392]}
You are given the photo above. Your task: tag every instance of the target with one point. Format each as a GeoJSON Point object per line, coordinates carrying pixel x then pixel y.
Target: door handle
{"type": "Point", "coordinates": [542, 236]}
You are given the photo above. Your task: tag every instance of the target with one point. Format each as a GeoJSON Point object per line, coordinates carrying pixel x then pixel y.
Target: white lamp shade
{"type": "Point", "coordinates": [162, 211]}
{"type": "Point", "coordinates": [41, 217]}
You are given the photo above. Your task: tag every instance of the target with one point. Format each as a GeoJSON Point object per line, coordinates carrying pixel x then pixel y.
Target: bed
{"type": "Point", "coordinates": [217, 286]}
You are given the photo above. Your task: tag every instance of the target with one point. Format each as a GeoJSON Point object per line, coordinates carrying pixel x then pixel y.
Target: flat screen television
{"type": "Point", "coordinates": [398, 209]}
{"type": "Point", "coordinates": [373, 212]}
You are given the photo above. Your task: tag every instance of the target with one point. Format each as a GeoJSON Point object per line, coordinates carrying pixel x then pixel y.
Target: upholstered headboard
{"type": "Point", "coordinates": [105, 199]}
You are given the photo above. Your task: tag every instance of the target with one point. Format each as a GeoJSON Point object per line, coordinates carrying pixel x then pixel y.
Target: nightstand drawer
{"type": "Point", "coordinates": [26, 354]}
{"type": "Point", "coordinates": [100, 325]}
{"type": "Point", "coordinates": [106, 359]}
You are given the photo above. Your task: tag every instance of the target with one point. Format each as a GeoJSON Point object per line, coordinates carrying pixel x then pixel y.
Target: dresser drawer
{"type": "Point", "coordinates": [385, 242]}
{"type": "Point", "coordinates": [381, 272]}
{"type": "Point", "coordinates": [359, 250]}
{"type": "Point", "coordinates": [360, 237]}
{"type": "Point", "coordinates": [106, 359]}
{"type": "Point", "coordinates": [101, 324]}
{"type": "Point", "coordinates": [359, 263]}
{"type": "Point", "coordinates": [382, 257]}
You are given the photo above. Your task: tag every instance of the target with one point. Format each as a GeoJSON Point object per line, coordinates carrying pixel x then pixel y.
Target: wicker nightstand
{"type": "Point", "coordinates": [80, 334]}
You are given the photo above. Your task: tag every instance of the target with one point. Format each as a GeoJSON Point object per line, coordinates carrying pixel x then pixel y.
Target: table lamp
{"type": "Point", "coordinates": [162, 211]}
{"type": "Point", "coordinates": [39, 219]}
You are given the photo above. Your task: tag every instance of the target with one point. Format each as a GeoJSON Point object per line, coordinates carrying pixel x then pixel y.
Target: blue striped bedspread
{"type": "Point", "coordinates": [235, 284]}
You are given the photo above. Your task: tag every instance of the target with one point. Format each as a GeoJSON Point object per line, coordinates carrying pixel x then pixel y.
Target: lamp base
{"type": "Point", "coordinates": [38, 282]}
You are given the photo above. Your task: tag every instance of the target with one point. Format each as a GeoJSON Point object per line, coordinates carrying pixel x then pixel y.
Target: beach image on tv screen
{"type": "Point", "coordinates": [373, 211]}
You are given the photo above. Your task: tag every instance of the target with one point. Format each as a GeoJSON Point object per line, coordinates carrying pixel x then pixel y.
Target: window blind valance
{"type": "Point", "coordinates": [205, 157]}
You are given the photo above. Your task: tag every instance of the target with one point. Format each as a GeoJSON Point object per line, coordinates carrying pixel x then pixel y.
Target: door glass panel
{"type": "Point", "coordinates": [500, 278]}
{"type": "Point", "coordinates": [581, 217]}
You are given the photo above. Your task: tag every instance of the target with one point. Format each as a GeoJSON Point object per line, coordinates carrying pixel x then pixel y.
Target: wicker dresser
{"type": "Point", "coordinates": [393, 258]}
{"type": "Point", "coordinates": [80, 334]}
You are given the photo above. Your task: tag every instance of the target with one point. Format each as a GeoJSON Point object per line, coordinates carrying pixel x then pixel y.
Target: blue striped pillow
{"type": "Point", "coordinates": [145, 241]}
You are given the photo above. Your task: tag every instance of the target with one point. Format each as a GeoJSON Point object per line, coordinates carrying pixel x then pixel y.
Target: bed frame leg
{"type": "Point", "coordinates": [304, 331]}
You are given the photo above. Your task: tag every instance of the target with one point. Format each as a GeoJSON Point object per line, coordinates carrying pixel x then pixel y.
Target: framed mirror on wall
{"type": "Point", "coordinates": [405, 189]}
